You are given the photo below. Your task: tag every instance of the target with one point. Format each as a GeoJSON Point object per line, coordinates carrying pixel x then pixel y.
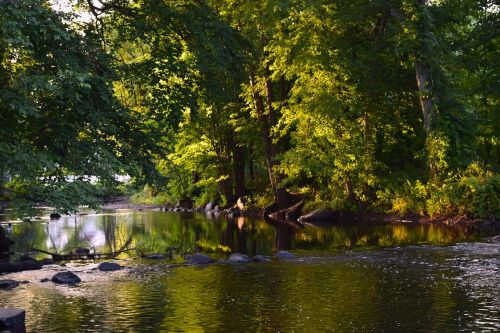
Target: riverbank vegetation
{"type": "Point", "coordinates": [383, 106]}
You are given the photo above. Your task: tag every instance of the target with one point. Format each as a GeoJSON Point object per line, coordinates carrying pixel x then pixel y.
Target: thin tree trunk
{"type": "Point", "coordinates": [266, 138]}
{"type": "Point", "coordinates": [423, 72]}
{"type": "Point", "coordinates": [425, 89]}
{"type": "Point", "coordinates": [239, 171]}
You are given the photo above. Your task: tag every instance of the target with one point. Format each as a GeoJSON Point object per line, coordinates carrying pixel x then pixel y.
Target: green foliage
{"type": "Point", "coordinates": [214, 100]}
{"type": "Point", "coordinates": [60, 122]}
{"type": "Point", "coordinates": [147, 196]}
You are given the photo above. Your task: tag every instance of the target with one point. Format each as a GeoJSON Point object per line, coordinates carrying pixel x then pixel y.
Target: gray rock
{"type": "Point", "coordinates": [238, 258]}
{"type": "Point", "coordinates": [260, 258]}
{"type": "Point", "coordinates": [28, 265]}
{"type": "Point", "coordinates": [155, 256]}
{"type": "Point", "coordinates": [284, 255]}
{"type": "Point", "coordinates": [210, 206]}
{"type": "Point", "coordinates": [199, 259]}
{"type": "Point", "coordinates": [45, 280]}
{"type": "Point", "coordinates": [82, 251]}
{"type": "Point", "coordinates": [7, 267]}
{"type": "Point", "coordinates": [47, 261]}
{"type": "Point", "coordinates": [8, 284]}
{"type": "Point", "coordinates": [12, 320]}
{"type": "Point", "coordinates": [66, 278]}
{"type": "Point", "coordinates": [109, 266]}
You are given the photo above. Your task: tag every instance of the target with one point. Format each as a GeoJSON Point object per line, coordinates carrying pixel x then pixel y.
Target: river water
{"type": "Point", "coordinates": [345, 278]}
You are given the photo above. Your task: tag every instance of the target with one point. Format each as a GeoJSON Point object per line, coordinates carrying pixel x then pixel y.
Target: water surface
{"type": "Point", "coordinates": [378, 278]}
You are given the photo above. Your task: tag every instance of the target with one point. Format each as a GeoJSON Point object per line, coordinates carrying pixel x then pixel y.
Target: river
{"type": "Point", "coordinates": [344, 278]}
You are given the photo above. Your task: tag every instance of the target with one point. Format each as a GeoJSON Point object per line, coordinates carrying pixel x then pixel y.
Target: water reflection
{"type": "Point", "coordinates": [391, 289]}
{"type": "Point", "coordinates": [154, 231]}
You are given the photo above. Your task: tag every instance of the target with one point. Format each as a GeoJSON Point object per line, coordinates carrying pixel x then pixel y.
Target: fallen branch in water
{"type": "Point", "coordinates": [87, 256]}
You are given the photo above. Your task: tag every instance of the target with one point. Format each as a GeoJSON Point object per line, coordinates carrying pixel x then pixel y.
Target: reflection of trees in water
{"type": "Point", "coordinates": [110, 228]}
{"type": "Point", "coordinates": [284, 233]}
{"type": "Point", "coordinates": [157, 231]}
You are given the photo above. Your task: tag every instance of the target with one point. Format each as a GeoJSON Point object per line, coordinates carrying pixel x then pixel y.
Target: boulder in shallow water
{"type": "Point", "coordinates": [82, 251]}
{"type": "Point", "coordinates": [12, 320]}
{"type": "Point", "coordinates": [260, 258]}
{"type": "Point", "coordinates": [238, 258]}
{"type": "Point", "coordinates": [26, 258]}
{"type": "Point", "coordinates": [47, 261]}
{"type": "Point", "coordinates": [8, 284]}
{"type": "Point", "coordinates": [284, 255]}
{"type": "Point", "coordinates": [7, 267]}
{"type": "Point", "coordinates": [28, 265]}
{"type": "Point", "coordinates": [109, 266]}
{"type": "Point", "coordinates": [199, 259]}
{"type": "Point", "coordinates": [66, 278]}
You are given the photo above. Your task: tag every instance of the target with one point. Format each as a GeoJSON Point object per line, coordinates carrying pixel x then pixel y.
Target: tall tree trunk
{"type": "Point", "coordinates": [226, 188]}
{"type": "Point", "coordinates": [423, 68]}
{"type": "Point", "coordinates": [239, 171]}
{"type": "Point", "coordinates": [271, 149]}
{"type": "Point", "coordinates": [424, 84]}
{"type": "Point", "coordinates": [265, 135]}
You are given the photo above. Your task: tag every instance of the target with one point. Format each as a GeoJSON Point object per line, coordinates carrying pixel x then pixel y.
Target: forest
{"type": "Point", "coordinates": [388, 106]}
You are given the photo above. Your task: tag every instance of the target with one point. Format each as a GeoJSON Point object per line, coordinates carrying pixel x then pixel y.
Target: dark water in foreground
{"type": "Point", "coordinates": [344, 279]}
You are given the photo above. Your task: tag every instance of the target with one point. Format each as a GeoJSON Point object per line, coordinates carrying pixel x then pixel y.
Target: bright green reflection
{"type": "Point", "coordinates": [376, 288]}
{"type": "Point", "coordinates": [154, 231]}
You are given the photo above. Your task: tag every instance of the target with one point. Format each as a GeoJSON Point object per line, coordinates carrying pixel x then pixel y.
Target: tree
{"type": "Point", "coordinates": [60, 122]}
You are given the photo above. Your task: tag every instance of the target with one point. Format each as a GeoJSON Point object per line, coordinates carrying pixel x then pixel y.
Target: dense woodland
{"type": "Point", "coordinates": [357, 105]}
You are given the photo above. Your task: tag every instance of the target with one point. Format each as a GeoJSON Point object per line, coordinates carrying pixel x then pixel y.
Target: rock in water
{"type": "Point", "coordinates": [12, 320]}
{"type": "Point", "coordinates": [260, 258]}
{"type": "Point", "coordinates": [47, 261]}
{"type": "Point", "coordinates": [66, 278]}
{"type": "Point", "coordinates": [238, 258]}
{"type": "Point", "coordinates": [55, 216]}
{"type": "Point", "coordinates": [28, 265]}
{"type": "Point", "coordinates": [210, 206]}
{"type": "Point", "coordinates": [155, 256]}
{"type": "Point", "coordinates": [283, 255]}
{"type": "Point", "coordinates": [7, 267]}
{"type": "Point", "coordinates": [109, 266]}
{"type": "Point", "coordinates": [82, 251]}
{"type": "Point", "coordinates": [8, 284]}
{"type": "Point", "coordinates": [199, 259]}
